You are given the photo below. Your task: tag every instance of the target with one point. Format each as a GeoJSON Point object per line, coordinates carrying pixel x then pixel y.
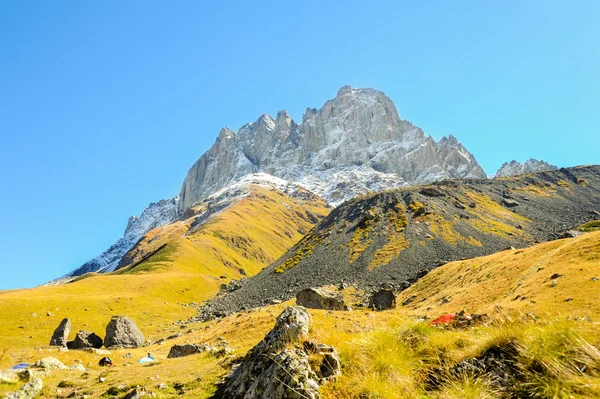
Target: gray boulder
{"type": "Point", "coordinates": [85, 339]}
{"type": "Point", "coordinates": [186, 350]}
{"type": "Point", "coordinates": [510, 203]}
{"type": "Point", "coordinates": [275, 369]}
{"type": "Point", "coordinates": [122, 332]}
{"type": "Point", "coordinates": [136, 393]}
{"type": "Point", "coordinates": [61, 334]}
{"type": "Point", "coordinates": [316, 298]}
{"type": "Point", "coordinates": [49, 363]}
{"type": "Point", "coordinates": [382, 300]}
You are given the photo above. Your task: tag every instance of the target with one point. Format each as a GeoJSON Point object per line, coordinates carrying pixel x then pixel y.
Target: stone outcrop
{"type": "Point", "coordinates": [122, 332]}
{"type": "Point", "coordinates": [382, 300]}
{"type": "Point", "coordinates": [275, 369]}
{"type": "Point", "coordinates": [61, 334]}
{"type": "Point", "coordinates": [316, 298]}
{"type": "Point", "coordinates": [32, 387]}
{"type": "Point", "coordinates": [85, 339]}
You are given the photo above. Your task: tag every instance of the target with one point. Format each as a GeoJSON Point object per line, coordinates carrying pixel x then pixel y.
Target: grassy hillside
{"type": "Point", "coordinates": [190, 266]}
{"type": "Point", "coordinates": [554, 278]}
{"type": "Point", "coordinates": [395, 353]}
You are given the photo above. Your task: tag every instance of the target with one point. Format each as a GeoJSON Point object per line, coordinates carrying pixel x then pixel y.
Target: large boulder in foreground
{"type": "Point", "coordinates": [317, 298]}
{"type": "Point", "coordinates": [85, 339]}
{"type": "Point", "coordinates": [382, 300]}
{"type": "Point", "coordinates": [61, 334]}
{"type": "Point", "coordinates": [275, 368]}
{"type": "Point", "coordinates": [122, 332]}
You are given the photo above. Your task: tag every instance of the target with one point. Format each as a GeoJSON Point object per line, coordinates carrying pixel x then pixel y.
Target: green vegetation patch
{"type": "Point", "coordinates": [362, 238]}
{"type": "Point", "coordinates": [594, 225]}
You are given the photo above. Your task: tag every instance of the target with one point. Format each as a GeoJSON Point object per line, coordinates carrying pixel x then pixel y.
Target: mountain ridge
{"type": "Point", "coordinates": [396, 236]}
{"type": "Point", "coordinates": [514, 167]}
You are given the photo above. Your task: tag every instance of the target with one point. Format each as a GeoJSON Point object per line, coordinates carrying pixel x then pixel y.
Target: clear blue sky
{"type": "Point", "coordinates": [105, 105]}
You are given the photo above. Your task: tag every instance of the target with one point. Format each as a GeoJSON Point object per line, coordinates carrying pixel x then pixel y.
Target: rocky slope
{"type": "Point", "coordinates": [355, 143]}
{"type": "Point", "coordinates": [155, 215]}
{"type": "Point", "coordinates": [394, 237]}
{"type": "Point", "coordinates": [513, 167]}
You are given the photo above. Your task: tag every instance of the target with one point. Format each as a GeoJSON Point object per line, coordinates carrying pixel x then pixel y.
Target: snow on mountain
{"type": "Point", "coordinates": [513, 167]}
{"type": "Point", "coordinates": [155, 215]}
{"type": "Point", "coordinates": [355, 143]}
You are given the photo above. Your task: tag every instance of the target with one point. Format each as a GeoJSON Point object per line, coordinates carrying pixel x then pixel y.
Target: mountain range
{"type": "Point", "coordinates": [354, 144]}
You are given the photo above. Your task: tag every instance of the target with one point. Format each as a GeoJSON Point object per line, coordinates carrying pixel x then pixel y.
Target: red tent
{"type": "Point", "coordinates": [444, 319]}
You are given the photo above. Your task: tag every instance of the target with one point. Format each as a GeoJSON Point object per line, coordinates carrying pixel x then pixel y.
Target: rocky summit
{"type": "Point", "coordinates": [355, 143]}
{"type": "Point", "coordinates": [514, 168]}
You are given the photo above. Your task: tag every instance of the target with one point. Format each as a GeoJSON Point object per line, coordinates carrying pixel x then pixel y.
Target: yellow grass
{"type": "Point", "coordinates": [247, 236]}
{"type": "Point", "coordinates": [385, 354]}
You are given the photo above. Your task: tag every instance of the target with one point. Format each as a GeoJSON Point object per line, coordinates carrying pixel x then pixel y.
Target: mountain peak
{"type": "Point", "coordinates": [354, 142]}
{"type": "Point", "coordinates": [514, 167]}
{"type": "Point", "coordinates": [344, 90]}
{"type": "Point", "coordinates": [225, 133]}
{"type": "Point", "coordinates": [283, 120]}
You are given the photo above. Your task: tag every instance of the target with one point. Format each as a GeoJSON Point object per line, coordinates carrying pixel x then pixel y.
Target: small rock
{"type": "Point", "coordinates": [408, 300]}
{"type": "Point", "coordinates": [383, 299]}
{"type": "Point", "coordinates": [316, 298]}
{"type": "Point", "coordinates": [431, 192]}
{"type": "Point", "coordinates": [97, 351]}
{"type": "Point", "coordinates": [9, 377]}
{"type": "Point", "coordinates": [186, 350]}
{"type": "Point", "coordinates": [77, 367]}
{"type": "Point", "coordinates": [510, 203]}
{"type": "Point", "coordinates": [85, 339]}
{"type": "Point", "coordinates": [555, 276]}
{"type": "Point", "coordinates": [594, 278]}
{"type": "Point", "coordinates": [135, 394]}
{"type": "Point", "coordinates": [568, 300]}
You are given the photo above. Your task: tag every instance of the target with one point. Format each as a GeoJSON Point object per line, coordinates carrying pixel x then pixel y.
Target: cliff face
{"type": "Point", "coordinates": [355, 143]}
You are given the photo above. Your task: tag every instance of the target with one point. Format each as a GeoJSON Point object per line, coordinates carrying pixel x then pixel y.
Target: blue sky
{"type": "Point", "coordinates": [104, 106]}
